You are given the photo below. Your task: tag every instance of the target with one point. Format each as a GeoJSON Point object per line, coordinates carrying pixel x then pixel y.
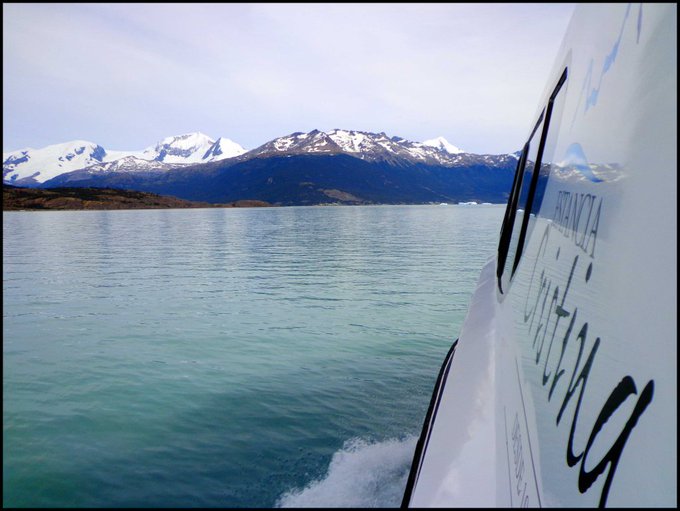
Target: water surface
{"type": "Point", "coordinates": [227, 357]}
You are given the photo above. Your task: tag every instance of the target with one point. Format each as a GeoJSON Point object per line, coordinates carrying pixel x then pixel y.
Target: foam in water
{"type": "Point", "coordinates": [361, 474]}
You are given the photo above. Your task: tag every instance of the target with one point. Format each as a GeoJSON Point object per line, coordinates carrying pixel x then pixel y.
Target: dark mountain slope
{"type": "Point", "coordinates": [314, 179]}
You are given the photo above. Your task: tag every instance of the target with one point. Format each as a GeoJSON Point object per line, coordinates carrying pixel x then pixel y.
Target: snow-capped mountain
{"type": "Point", "coordinates": [193, 148]}
{"type": "Point", "coordinates": [32, 166]}
{"type": "Point", "coordinates": [444, 145]}
{"type": "Point", "coordinates": [338, 166]}
{"type": "Point", "coordinates": [80, 159]}
{"type": "Point", "coordinates": [369, 147]}
{"type": "Point", "coordinates": [35, 166]}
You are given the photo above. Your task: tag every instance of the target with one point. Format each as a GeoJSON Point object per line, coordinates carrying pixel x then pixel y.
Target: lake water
{"type": "Point", "coordinates": [228, 357]}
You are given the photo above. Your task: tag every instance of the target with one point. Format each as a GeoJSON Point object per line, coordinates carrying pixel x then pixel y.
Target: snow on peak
{"type": "Point", "coordinates": [187, 141]}
{"type": "Point", "coordinates": [365, 145]}
{"type": "Point", "coordinates": [33, 166]}
{"type": "Point", "coordinates": [444, 145]}
{"type": "Point", "coordinates": [223, 148]}
{"type": "Point", "coordinates": [350, 141]}
{"type": "Point", "coordinates": [39, 165]}
{"type": "Point", "coordinates": [187, 148]}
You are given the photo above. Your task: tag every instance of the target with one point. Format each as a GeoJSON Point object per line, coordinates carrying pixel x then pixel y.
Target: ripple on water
{"type": "Point", "coordinates": [227, 358]}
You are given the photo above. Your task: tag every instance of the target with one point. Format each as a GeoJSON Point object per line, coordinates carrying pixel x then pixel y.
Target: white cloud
{"type": "Point", "coordinates": [123, 74]}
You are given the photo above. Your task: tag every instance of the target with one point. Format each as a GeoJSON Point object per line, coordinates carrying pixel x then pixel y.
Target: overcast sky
{"type": "Point", "coordinates": [127, 75]}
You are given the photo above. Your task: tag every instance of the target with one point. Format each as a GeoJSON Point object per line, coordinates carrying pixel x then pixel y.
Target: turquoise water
{"type": "Point", "coordinates": [227, 357]}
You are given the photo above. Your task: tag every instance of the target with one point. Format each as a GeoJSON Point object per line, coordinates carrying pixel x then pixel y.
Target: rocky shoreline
{"type": "Point", "coordinates": [36, 199]}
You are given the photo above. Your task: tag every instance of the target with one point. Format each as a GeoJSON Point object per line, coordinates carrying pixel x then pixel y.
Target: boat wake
{"type": "Point", "coordinates": [360, 474]}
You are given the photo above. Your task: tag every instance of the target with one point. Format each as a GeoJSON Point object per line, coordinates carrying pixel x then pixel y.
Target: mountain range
{"type": "Point", "coordinates": [32, 167]}
{"type": "Point", "coordinates": [339, 166]}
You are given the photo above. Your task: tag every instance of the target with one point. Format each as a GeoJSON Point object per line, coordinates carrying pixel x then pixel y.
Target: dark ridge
{"type": "Point", "coordinates": [305, 179]}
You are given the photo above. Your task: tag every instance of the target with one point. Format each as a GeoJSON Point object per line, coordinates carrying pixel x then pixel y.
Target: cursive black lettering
{"type": "Point", "coordinates": [577, 218]}
{"type": "Point", "coordinates": [625, 388]}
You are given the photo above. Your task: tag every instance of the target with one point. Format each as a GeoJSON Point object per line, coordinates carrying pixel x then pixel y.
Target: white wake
{"type": "Point", "coordinates": [361, 474]}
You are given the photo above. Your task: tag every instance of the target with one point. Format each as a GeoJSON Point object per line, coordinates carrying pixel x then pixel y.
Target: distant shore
{"type": "Point", "coordinates": [78, 199]}
{"type": "Point", "coordinates": [101, 199]}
